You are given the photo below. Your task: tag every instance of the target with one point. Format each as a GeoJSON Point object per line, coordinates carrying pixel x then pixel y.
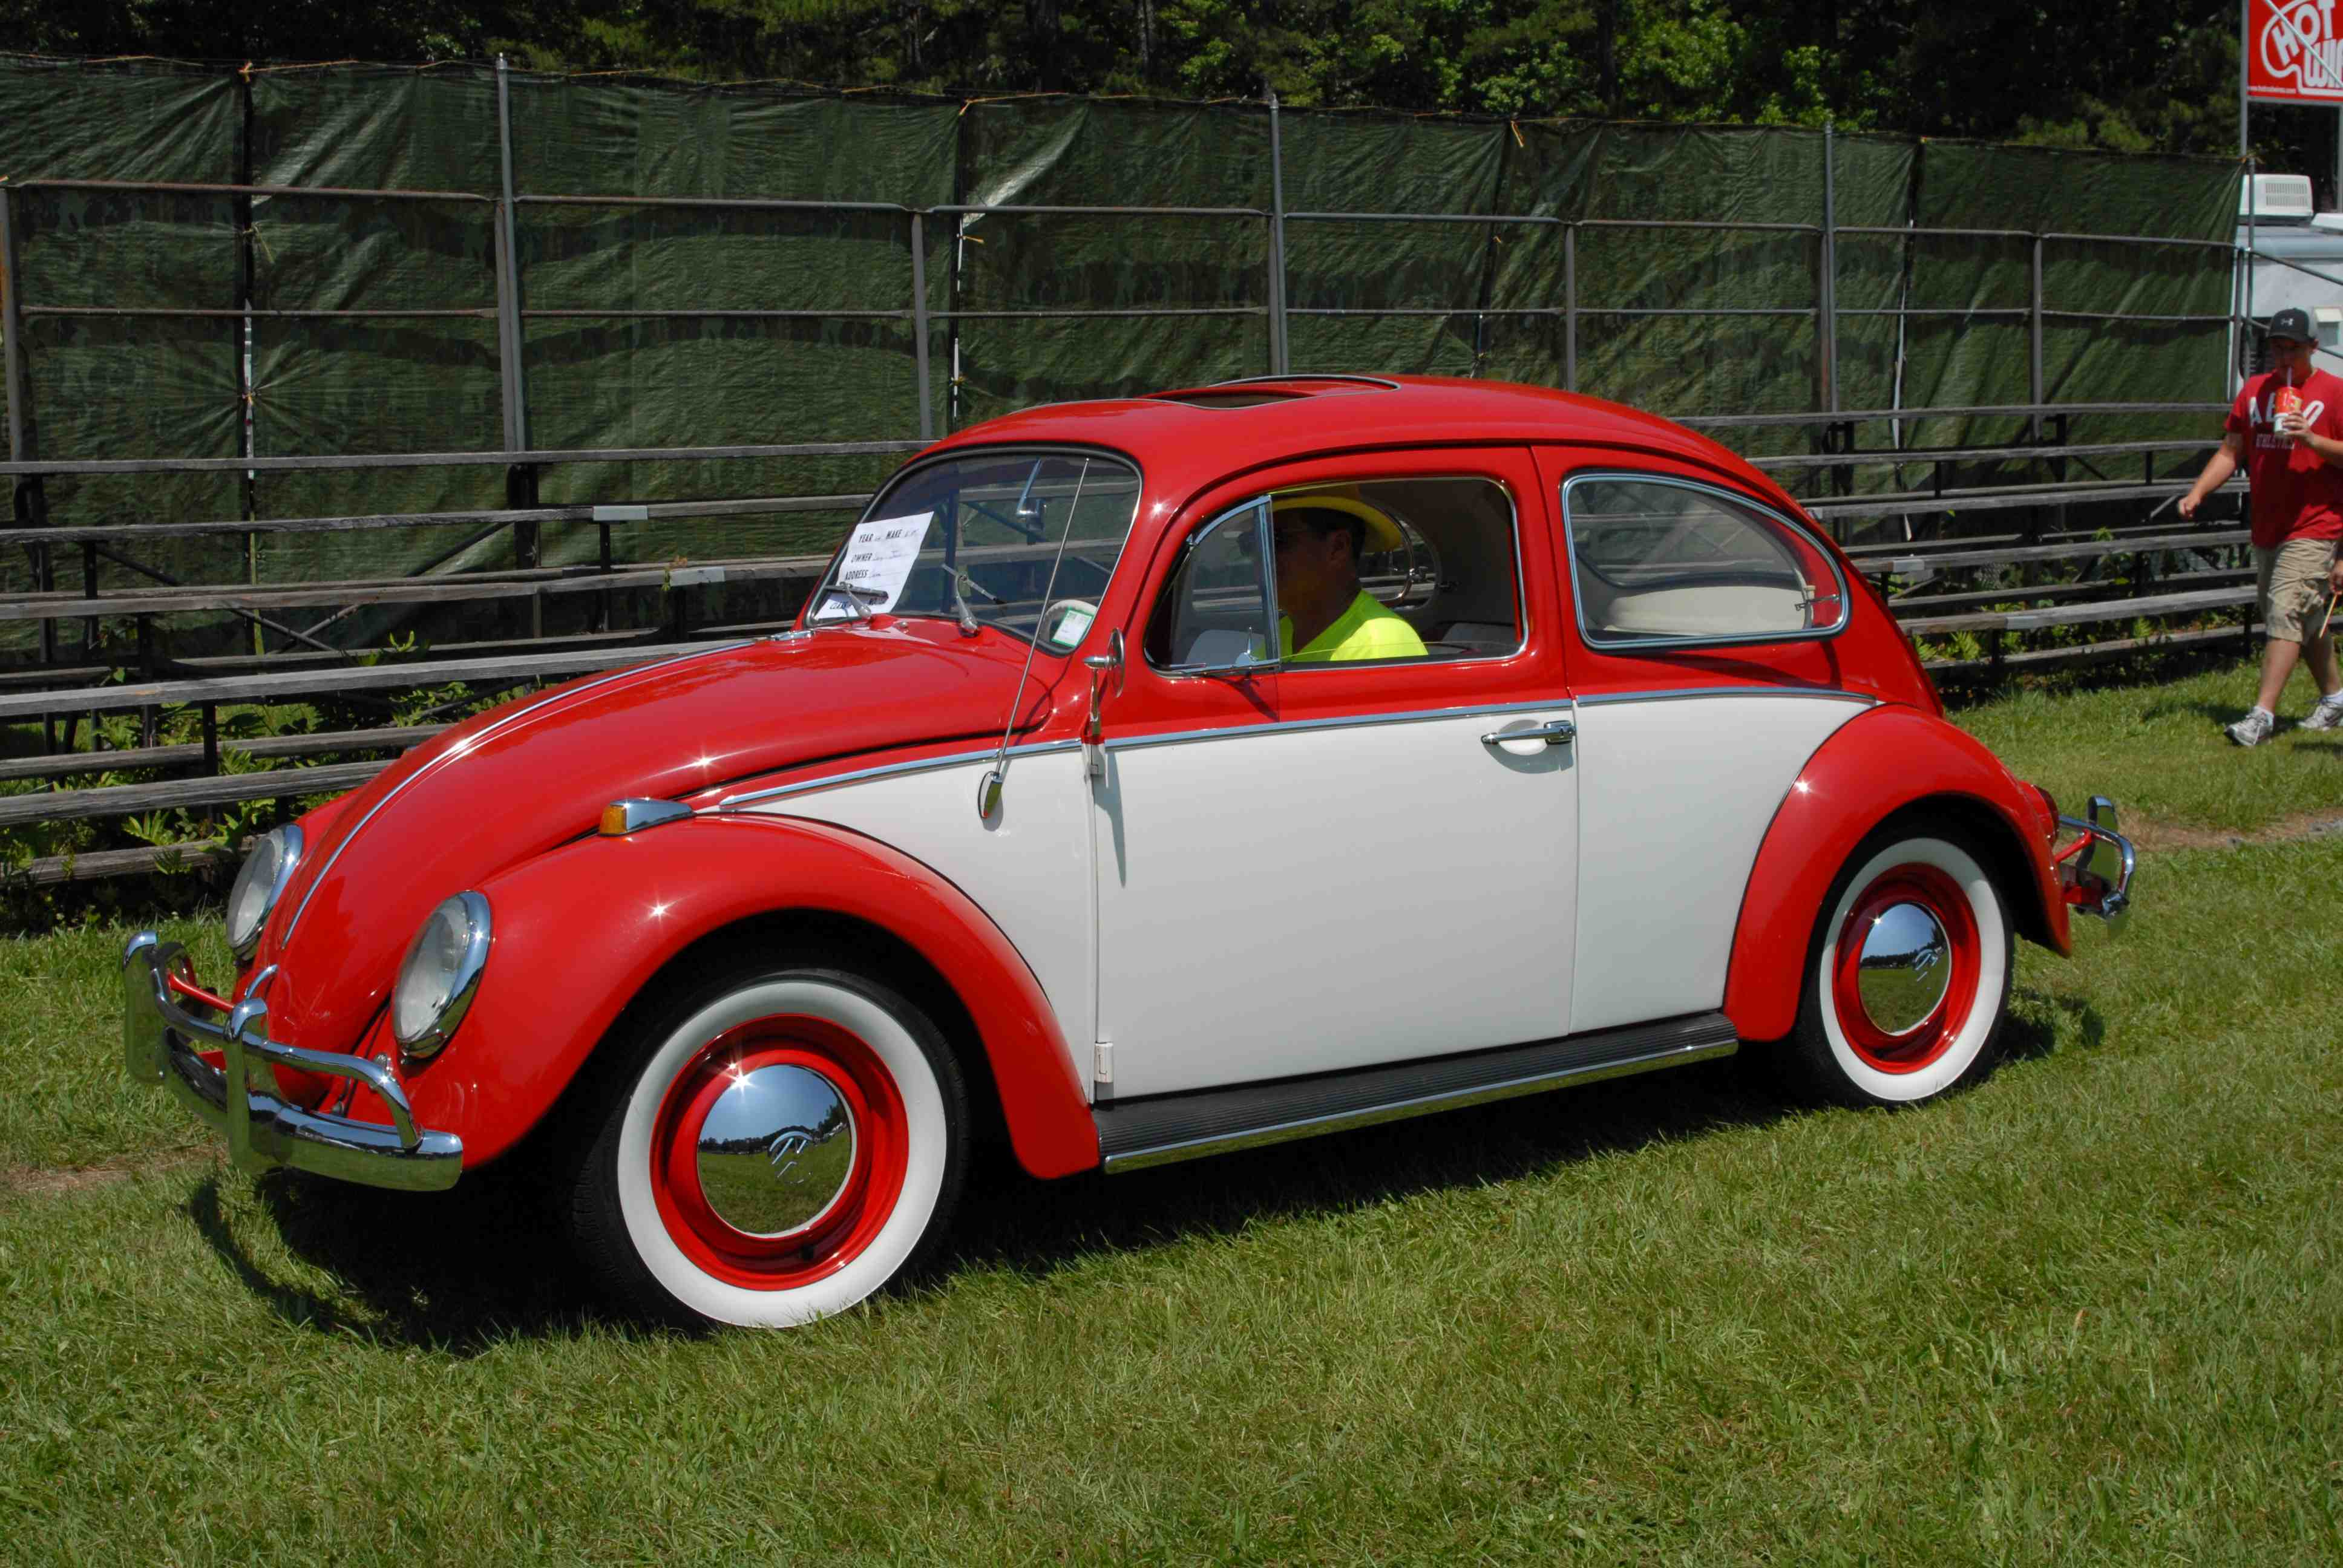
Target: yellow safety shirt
{"type": "Point", "coordinates": [1365, 630]}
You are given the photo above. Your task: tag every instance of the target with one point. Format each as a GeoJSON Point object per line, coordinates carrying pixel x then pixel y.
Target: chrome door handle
{"type": "Point", "coordinates": [1559, 732]}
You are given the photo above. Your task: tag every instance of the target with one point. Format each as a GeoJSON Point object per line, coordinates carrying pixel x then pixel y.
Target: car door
{"type": "Point", "coordinates": [1307, 867]}
{"type": "Point", "coordinates": [1705, 659]}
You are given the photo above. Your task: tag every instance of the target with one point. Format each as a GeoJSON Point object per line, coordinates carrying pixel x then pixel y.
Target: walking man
{"type": "Point", "coordinates": [2287, 426]}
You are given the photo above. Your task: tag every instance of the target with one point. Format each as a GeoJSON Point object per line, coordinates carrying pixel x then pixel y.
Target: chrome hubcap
{"type": "Point", "coordinates": [1903, 972]}
{"type": "Point", "coordinates": [776, 1151]}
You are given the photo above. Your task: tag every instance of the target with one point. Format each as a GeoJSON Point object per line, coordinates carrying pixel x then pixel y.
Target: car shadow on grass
{"type": "Point", "coordinates": [461, 1271]}
{"type": "Point", "coordinates": [458, 1272]}
{"type": "Point", "coordinates": [1008, 1221]}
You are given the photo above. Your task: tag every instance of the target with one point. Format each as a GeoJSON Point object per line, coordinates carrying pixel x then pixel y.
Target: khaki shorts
{"type": "Point", "coordinates": [2291, 578]}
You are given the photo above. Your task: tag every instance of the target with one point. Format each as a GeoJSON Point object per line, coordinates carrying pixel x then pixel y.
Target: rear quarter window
{"type": "Point", "coordinates": [1659, 562]}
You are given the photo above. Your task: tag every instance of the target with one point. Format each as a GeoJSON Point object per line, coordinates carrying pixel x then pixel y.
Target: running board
{"type": "Point", "coordinates": [1136, 1134]}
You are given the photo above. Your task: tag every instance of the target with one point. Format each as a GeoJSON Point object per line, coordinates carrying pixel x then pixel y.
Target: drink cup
{"type": "Point", "coordinates": [2287, 407]}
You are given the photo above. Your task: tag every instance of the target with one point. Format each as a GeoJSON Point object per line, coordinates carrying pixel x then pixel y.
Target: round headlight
{"type": "Point", "coordinates": [441, 972]}
{"type": "Point", "coordinates": [259, 885]}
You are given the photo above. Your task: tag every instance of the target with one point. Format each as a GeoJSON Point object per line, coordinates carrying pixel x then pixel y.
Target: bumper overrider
{"type": "Point", "coordinates": [2096, 869]}
{"type": "Point", "coordinates": [166, 1032]}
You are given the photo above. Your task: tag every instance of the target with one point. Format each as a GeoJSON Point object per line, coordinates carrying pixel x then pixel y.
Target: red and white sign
{"type": "Point", "coordinates": [2293, 53]}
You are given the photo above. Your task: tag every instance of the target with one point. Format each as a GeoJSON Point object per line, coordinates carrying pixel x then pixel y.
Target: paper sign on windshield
{"type": "Point", "coordinates": [878, 561]}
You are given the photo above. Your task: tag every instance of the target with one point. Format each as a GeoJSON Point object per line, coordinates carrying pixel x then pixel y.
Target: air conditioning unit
{"type": "Point", "coordinates": [2277, 198]}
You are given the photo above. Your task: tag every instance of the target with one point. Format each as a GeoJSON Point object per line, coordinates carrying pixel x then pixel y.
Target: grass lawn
{"type": "Point", "coordinates": [2090, 1312]}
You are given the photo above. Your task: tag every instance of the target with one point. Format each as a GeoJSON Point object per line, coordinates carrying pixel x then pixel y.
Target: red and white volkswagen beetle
{"type": "Point", "coordinates": [1037, 824]}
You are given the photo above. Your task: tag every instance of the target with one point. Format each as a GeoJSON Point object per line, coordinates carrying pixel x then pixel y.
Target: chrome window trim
{"type": "Point", "coordinates": [1347, 722]}
{"type": "Point", "coordinates": [922, 463]}
{"type": "Point", "coordinates": [1643, 476]}
{"type": "Point", "coordinates": [500, 726]}
{"type": "Point", "coordinates": [728, 804]}
{"type": "Point", "coordinates": [1264, 546]}
{"type": "Point", "coordinates": [1684, 693]}
{"type": "Point", "coordinates": [1286, 666]}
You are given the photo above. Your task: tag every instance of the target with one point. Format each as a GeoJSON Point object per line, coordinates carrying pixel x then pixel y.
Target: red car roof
{"type": "Point", "coordinates": [1190, 437]}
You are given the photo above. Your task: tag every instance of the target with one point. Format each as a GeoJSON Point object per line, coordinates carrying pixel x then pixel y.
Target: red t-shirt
{"type": "Point", "coordinates": [2298, 494]}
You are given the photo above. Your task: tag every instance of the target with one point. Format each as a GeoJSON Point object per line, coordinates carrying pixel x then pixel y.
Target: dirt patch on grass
{"type": "Point", "coordinates": [41, 1182]}
{"type": "Point", "coordinates": [2303, 825]}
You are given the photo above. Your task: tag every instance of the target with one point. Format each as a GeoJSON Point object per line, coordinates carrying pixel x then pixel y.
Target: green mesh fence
{"type": "Point", "coordinates": [657, 325]}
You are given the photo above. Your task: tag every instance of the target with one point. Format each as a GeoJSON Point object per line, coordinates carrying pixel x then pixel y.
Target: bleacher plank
{"type": "Point", "coordinates": [50, 870]}
{"type": "Point", "coordinates": [327, 743]}
{"type": "Point", "coordinates": [129, 800]}
{"type": "Point", "coordinates": [1907, 456]}
{"type": "Point", "coordinates": [2001, 498]}
{"type": "Point", "coordinates": [338, 678]}
{"type": "Point", "coordinates": [1905, 564]}
{"type": "Point", "coordinates": [2078, 615]}
{"type": "Point", "coordinates": [452, 588]}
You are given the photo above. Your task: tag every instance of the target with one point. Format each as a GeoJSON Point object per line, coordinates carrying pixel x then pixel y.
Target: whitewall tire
{"type": "Point", "coordinates": [784, 1146]}
{"type": "Point", "coordinates": [1908, 983]}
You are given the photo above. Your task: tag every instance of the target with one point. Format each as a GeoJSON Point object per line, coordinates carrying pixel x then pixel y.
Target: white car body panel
{"type": "Point", "coordinates": [1029, 868]}
{"type": "Point", "coordinates": [1675, 793]}
{"type": "Point", "coordinates": [1305, 898]}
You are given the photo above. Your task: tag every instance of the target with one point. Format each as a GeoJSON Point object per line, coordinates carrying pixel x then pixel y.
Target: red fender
{"type": "Point", "coordinates": [1888, 759]}
{"type": "Point", "coordinates": [579, 932]}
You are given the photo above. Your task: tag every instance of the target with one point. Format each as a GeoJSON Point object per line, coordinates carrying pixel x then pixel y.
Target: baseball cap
{"type": "Point", "coordinates": [2295, 323]}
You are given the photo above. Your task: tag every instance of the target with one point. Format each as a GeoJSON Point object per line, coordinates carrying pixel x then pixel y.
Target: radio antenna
{"type": "Point", "coordinates": [988, 788]}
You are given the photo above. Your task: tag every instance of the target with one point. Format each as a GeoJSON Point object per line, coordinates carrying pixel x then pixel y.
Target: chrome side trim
{"type": "Point", "coordinates": [498, 728]}
{"type": "Point", "coordinates": [1680, 694]}
{"type": "Point", "coordinates": [1321, 375]}
{"type": "Point", "coordinates": [1352, 722]}
{"type": "Point", "coordinates": [731, 803]}
{"type": "Point", "coordinates": [1401, 1110]}
{"type": "Point", "coordinates": [163, 1042]}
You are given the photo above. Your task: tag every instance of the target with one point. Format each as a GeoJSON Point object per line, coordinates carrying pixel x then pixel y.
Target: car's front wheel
{"type": "Point", "coordinates": [1908, 982]}
{"type": "Point", "coordinates": [779, 1146]}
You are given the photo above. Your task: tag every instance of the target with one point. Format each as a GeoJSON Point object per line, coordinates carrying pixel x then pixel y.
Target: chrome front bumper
{"type": "Point", "coordinates": [2097, 869]}
{"type": "Point", "coordinates": [163, 1042]}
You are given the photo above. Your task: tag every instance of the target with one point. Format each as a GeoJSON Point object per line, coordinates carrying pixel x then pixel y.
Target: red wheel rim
{"type": "Point", "coordinates": [849, 1223]}
{"type": "Point", "coordinates": [1913, 1049]}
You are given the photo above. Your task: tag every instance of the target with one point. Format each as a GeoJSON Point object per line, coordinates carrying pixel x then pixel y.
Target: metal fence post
{"type": "Point", "coordinates": [2033, 360]}
{"type": "Point", "coordinates": [1569, 306]}
{"type": "Point", "coordinates": [1281, 359]}
{"type": "Point", "coordinates": [521, 479]}
{"type": "Point", "coordinates": [248, 406]}
{"type": "Point", "coordinates": [28, 506]}
{"type": "Point", "coordinates": [12, 328]}
{"type": "Point", "coordinates": [919, 322]}
{"type": "Point", "coordinates": [1827, 304]}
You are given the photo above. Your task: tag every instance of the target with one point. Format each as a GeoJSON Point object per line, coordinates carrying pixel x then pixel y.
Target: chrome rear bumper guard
{"type": "Point", "coordinates": [2097, 872]}
{"type": "Point", "coordinates": [162, 1043]}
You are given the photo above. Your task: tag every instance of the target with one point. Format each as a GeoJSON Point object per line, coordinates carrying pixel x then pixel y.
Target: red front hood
{"type": "Point", "coordinates": [536, 772]}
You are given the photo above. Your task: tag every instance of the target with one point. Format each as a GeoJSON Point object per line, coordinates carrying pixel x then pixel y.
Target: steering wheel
{"type": "Point", "coordinates": [1070, 608]}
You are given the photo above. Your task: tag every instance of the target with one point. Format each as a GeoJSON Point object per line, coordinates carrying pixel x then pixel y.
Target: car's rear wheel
{"type": "Point", "coordinates": [783, 1145]}
{"type": "Point", "coordinates": [1908, 980]}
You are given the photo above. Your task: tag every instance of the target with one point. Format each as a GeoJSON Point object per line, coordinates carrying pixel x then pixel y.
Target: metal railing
{"type": "Point", "coordinates": [523, 512]}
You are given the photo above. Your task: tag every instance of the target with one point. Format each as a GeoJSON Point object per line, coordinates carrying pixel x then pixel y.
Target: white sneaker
{"type": "Point", "coordinates": [2253, 729]}
{"type": "Point", "coordinates": [2328, 715]}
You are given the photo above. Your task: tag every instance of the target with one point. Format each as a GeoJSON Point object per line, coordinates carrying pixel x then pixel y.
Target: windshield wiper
{"type": "Point", "coordinates": [857, 600]}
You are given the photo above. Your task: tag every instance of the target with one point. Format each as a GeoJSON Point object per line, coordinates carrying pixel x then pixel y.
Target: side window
{"type": "Point", "coordinates": [1369, 571]}
{"type": "Point", "coordinates": [1215, 613]}
{"type": "Point", "coordinates": [1661, 560]}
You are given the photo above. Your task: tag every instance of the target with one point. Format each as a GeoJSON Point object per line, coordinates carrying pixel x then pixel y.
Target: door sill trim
{"type": "Point", "coordinates": [1134, 1134]}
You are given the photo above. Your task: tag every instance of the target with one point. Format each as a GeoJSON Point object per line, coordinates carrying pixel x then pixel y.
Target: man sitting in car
{"type": "Point", "coordinates": [1324, 616]}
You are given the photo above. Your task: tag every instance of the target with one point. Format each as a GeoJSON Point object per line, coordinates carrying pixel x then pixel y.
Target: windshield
{"type": "Point", "coordinates": [977, 539]}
